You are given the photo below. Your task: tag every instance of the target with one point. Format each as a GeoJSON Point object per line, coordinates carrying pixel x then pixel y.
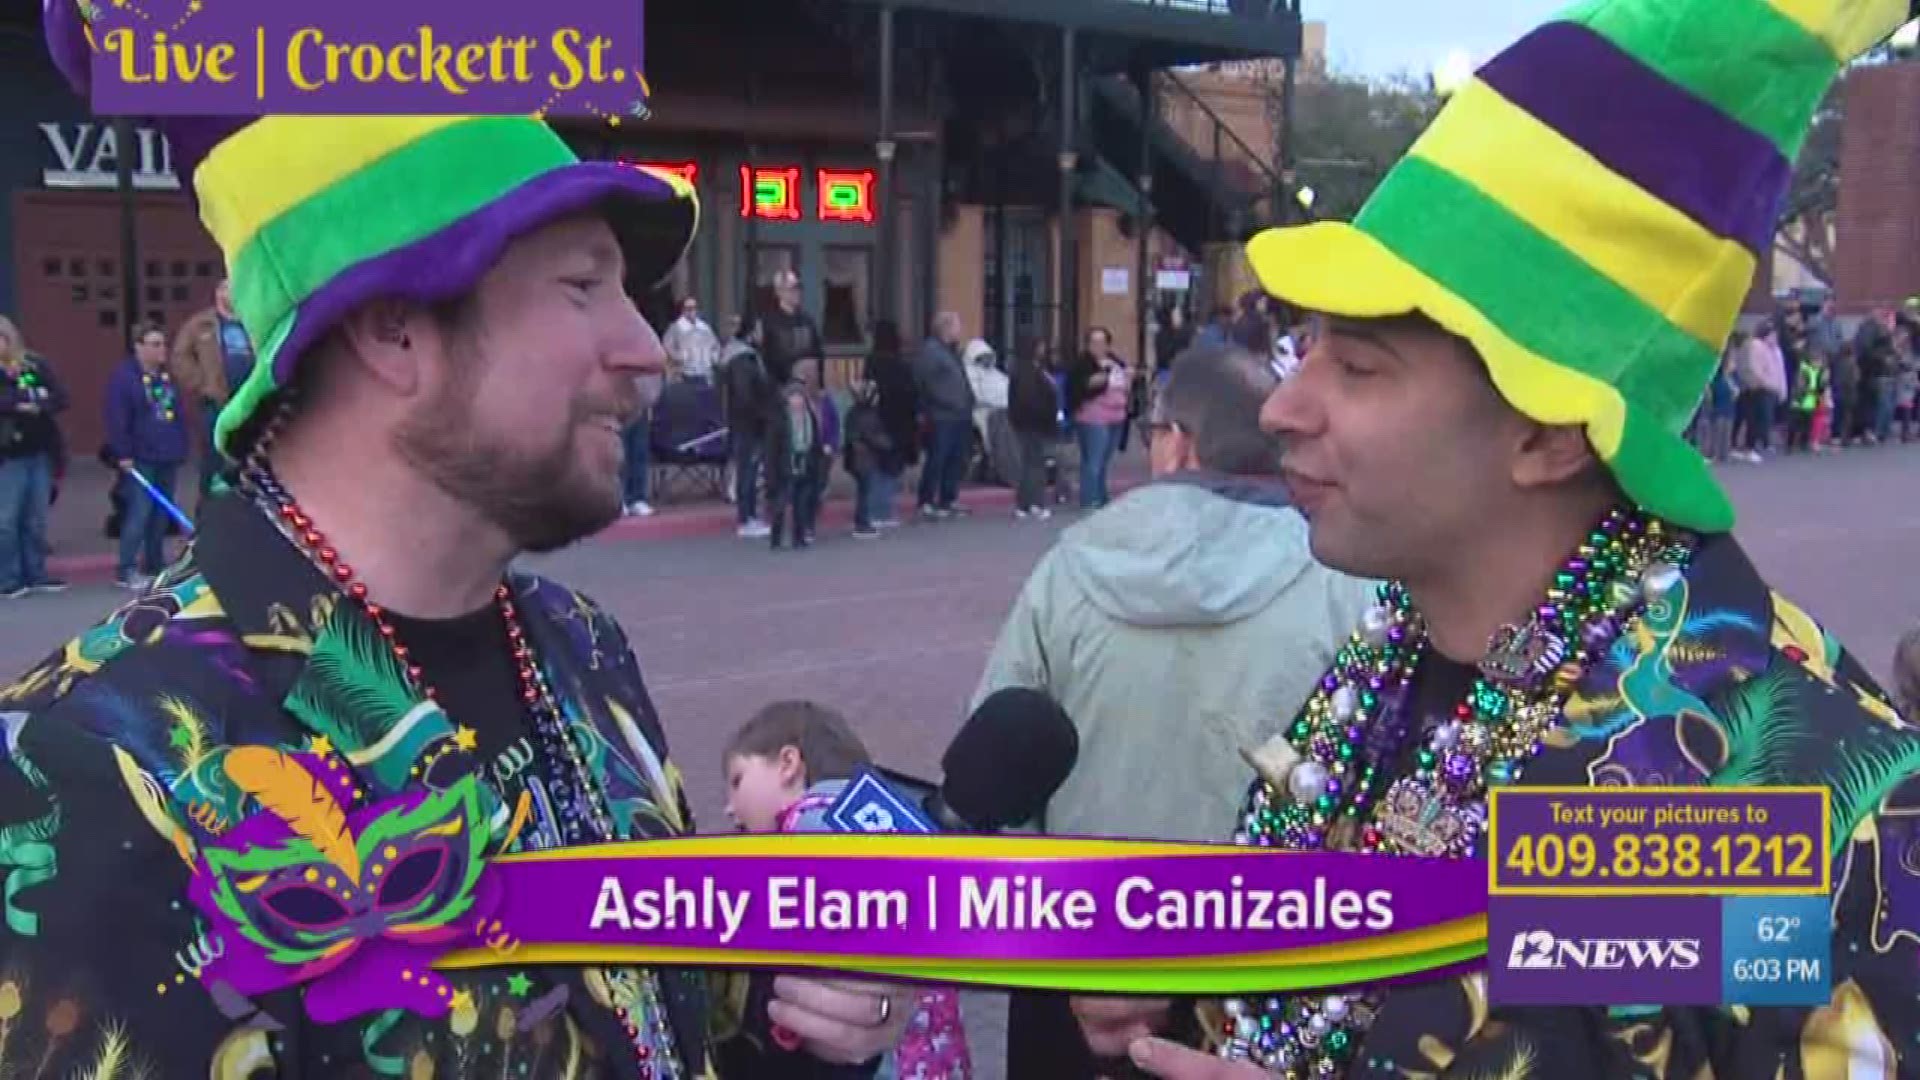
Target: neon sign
{"type": "Point", "coordinates": [844, 195]}
{"type": "Point", "coordinates": [685, 170]}
{"type": "Point", "coordinates": [771, 193]}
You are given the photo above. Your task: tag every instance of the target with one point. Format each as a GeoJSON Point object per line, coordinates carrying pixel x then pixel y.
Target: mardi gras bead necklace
{"type": "Point", "coordinates": [1324, 782]}
{"type": "Point", "coordinates": [159, 388]}
{"type": "Point", "coordinates": [581, 806]}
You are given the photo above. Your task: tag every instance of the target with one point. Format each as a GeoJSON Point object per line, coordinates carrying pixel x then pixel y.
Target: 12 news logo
{"type": "Point", "coordinates": [1540, 950]}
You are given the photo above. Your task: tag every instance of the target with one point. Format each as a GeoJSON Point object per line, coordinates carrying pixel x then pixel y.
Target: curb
{"type": "Point", "coordinates": [678, 523]}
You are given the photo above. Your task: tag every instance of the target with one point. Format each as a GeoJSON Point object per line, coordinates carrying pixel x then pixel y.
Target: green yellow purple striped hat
{"type": "Point", "coordinates": [1589, 212]}
{"type": "Point", "coordinates": [319, 214]}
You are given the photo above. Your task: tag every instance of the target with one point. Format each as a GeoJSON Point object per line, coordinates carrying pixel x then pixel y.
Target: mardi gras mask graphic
{"type": "Point", "coordinates": [355, 904]}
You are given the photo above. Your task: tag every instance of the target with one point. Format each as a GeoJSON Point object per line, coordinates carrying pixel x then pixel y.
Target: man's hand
{"type": "Point", "coordinates": [842, 1022]}
{"type": "Point", "coordinates": [1111, 1024]}
{"type": "Point", "coordinates": [1157, 1057]}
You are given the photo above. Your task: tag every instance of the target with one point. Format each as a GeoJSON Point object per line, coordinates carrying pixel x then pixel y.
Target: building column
{"type": "Point", "coordinates": [1066, 275]}
{"type": "Point", "coordinates": [885, 305]}
{"type": "Point", "coordinates": [1144, 219]}
{"type": "Point", "coordinates": [130, 299]}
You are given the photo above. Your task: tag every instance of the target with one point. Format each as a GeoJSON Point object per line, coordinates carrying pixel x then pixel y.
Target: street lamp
{"type": "Point", "coordinates": [1305, 197]}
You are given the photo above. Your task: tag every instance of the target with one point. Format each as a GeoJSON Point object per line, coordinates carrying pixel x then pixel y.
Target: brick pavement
{"type": "Point", "coordinates": [893, 631]}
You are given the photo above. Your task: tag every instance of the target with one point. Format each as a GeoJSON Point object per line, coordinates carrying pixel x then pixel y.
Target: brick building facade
{"type": "Point", "coordinates": [1877, 239]}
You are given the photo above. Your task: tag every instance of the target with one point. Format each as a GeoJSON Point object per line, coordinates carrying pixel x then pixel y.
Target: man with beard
{"type": "Point", "coordinates": [1521, 321]}
{"type": "Point", "coordinates": [447, 356]}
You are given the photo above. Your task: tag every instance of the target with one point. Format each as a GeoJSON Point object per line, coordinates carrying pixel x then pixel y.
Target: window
{"type": "Point", "coordinates": [847, 288]}
{"type": "Point", "coordinates": [181, 295]}
{"type": "Point", "coordinates": [104, 267]}
{"type": "Point", "coordinates": [205, 269]}
{"type": "Point", "coordinates": [51, 267]}
{"type": "Point", "coordinates": [768, 260]}
{"type": "Point", "coordinates": [844, 195]}
{"type": "Point", "coordinates": [109, 318]}
{"type": "Point", "coordinates": [770, 193]}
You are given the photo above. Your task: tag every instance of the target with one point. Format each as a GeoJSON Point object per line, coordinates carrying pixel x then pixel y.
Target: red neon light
{"type": "Point", "coordinates": [769, 192]}
{"type": "Point", "coordinates": [844, 195]}
{"type": "Point", "coordinates": [685, 170]}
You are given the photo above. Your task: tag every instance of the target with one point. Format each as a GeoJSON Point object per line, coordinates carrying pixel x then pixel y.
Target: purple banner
{"type": "Point", "coordinates": [1568, 951]}
{"type": "Point", "coordinates": [945, 909]}
{"type": "Point", "coordinates": [426, 57]}
{"type": "Point", "coordinates": [1642, 841]}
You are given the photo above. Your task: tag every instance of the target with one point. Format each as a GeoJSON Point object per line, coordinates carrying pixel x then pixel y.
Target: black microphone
{"type": "Point", "coordinates": [1006, 761]}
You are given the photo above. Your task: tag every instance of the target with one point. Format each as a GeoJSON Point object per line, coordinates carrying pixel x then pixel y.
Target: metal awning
{"type": "Point", "coordinates": [1165, 33]}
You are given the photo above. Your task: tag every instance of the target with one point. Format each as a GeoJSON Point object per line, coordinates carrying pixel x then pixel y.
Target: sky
{"type": "Point", "coordinates": [1381, 37]}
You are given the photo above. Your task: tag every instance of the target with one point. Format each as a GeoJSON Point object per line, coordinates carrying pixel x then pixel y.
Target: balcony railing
{"type": "Point", "coordinates": [1246, 9]}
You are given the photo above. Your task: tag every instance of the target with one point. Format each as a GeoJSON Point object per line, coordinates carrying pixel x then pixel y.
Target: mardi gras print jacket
{"type": "Point", "coordinates": [221, 704]}
{"type": "Point", "coordinates": [1730, 684]}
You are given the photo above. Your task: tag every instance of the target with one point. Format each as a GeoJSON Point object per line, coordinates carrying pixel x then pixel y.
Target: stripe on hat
{"type": "Point", "coordinates": [1537, 292]}
{"type": "Point", "coordinates": [1748, 60]}
{"type": "Point", "coordinates": [392, 201]}
{"type": "Point", "coordinates": [1674, 146]}
{"type": "Point", "coordinates": [1654, 251]}
{"type": "Point", "coordinates": [1849, 27]}
{"type": "Point", "coordinates": [277, 162]}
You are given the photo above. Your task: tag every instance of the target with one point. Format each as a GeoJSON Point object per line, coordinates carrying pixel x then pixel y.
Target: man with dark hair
{"type": "Point", "coordinates": [348, 669]}
{"type": "Point", "coordinates": [1178, 626]}
{"type": "Point", "coordinates": [1520, 324]}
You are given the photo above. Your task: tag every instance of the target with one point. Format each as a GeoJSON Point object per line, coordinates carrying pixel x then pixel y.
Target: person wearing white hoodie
{"type": "Point", "coordinates": [1178, 627]}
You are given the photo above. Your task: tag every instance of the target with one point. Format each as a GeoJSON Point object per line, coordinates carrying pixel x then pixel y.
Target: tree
{"type": "Point", "coordinates": [1806, 224]}
{"type": "Point", "coordinates": [1347, 132]}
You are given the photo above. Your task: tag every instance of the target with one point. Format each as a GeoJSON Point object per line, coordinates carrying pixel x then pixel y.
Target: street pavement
{"type": "Point", "coordinates": [893, 632]}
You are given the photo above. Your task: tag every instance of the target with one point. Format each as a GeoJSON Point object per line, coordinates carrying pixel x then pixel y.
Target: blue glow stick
{"type": "Point", "coordinates": [164, 503]}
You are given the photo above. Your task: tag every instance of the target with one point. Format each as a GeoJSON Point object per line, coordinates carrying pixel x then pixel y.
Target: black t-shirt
{"type": "Point", "coordinates": [467, 661]}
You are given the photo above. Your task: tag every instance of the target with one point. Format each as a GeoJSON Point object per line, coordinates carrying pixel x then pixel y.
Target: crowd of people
{"type": "Point", "coordinates": [1798, 382]}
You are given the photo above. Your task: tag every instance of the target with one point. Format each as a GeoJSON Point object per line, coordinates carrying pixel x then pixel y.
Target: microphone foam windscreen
{"type": "Point", "coordinates": [1009, 758]}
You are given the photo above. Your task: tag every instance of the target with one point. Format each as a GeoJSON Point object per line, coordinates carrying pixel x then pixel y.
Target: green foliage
{"type": "Point", "coordinates": [1349, 131]}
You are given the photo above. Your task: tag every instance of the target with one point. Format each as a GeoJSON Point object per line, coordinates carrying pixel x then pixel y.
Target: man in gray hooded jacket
{"type": "Point", "coordinates": [1182, 624]}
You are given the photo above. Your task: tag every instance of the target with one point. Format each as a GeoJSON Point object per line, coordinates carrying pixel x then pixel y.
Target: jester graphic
{"type": "Point", "coordinates": [352, 901]}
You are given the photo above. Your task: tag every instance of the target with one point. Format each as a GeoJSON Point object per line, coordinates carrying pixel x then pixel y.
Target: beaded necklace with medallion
{"type": "Point", "coordinates": [1326, 783]}
{"type": "Point", "coordinates": [583, 813]}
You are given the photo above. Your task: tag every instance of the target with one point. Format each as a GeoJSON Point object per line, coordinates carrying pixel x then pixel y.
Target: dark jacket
{"type": "Point", "coordinates": [1080, 382]}
{"type": "Point", "coordinates": [120, 761]}
{"type": "Point", "coordinates": [747, 388]}
{"type": "Point", "coordinates": [785, 462]}
{"type": "Point", "coordinates": [24, 433]}
{"type": "Point", "coordinates": [870, 446]}
{"type": "Point", "coordinates": [787, 337]}
{"type": "Point", "coordinates": [941, 380]}
{"type": "Point", "coordinates": [899, 406]}
{"type": "Point", "coordinates": [145, 425]}
{"type": "Point", "coordinates": [1033, 404]}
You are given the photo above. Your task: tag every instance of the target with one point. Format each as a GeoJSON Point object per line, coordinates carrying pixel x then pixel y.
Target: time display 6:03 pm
{"type": "Point", "coordinates": [1660, 857]}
